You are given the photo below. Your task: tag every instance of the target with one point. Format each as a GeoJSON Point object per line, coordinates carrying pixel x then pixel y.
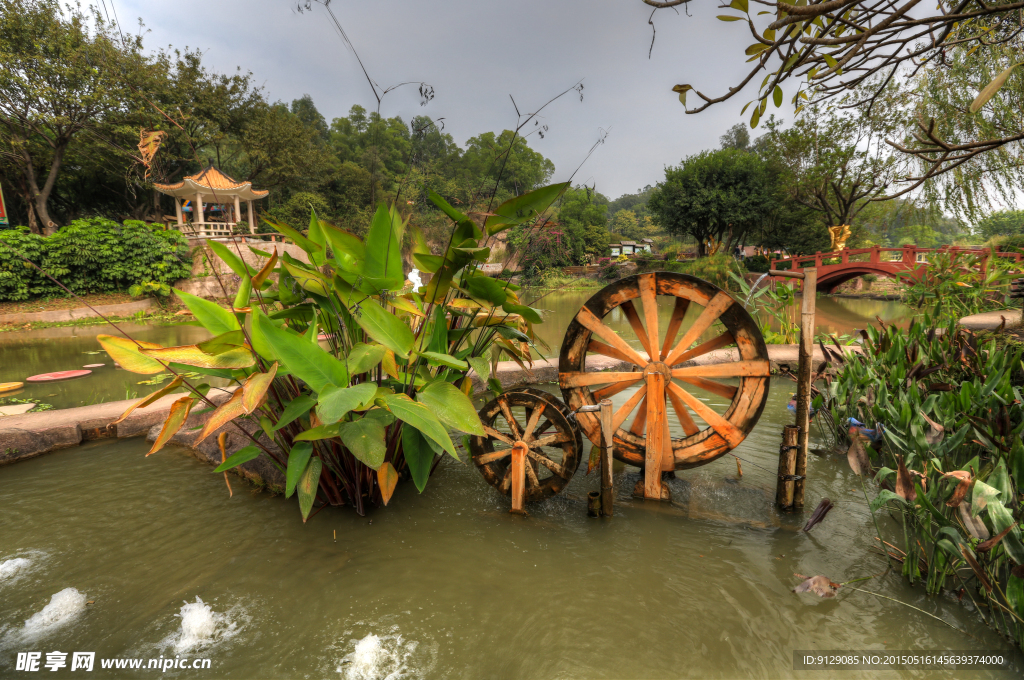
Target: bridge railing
{"type": "Point", "coordinates": [910, 255]}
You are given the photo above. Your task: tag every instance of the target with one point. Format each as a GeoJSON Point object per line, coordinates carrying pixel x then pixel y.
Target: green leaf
{"type": "Point", "coordinates": [990, 90]}
{"type": "Point", "coordinates": [314, 282]}
{"type": "Point", "coordinates": [451, 406]}
{"type": "Point", "coordinates": [756, 48]}
{"type": "Point", "coordinates": [982, 496]}
{"type": "Point", "coordinates": [238, 457]}
{"type": "Point", "coordinates": [445, 208]}
{"type": "Point", "coordinates": [385, 328]}
{"type": "Point", "coordinates": [777, 96]}
{"type": "Point", "coordinates": [528, 313]}
{"type": "Point", "coordinates": [438, 359]}
{"type": "Point", "coordinates": [427, 263]}
{"type": "Point", "coordinates": [126, 353]}
{"type": "Point", "coordinates": [486, 288]}
{"type": "Point", "coordinates": [300, 240]}
{"type": "Point", "coordinates": [1000, 518]}
{"type": "Point", "coordinates": [729, 17]}
{"type": "Point", "coordinates": [482, 367]}
{"type": "Point", "coordinates": [317, 433]}
{"type": "Point", "coordinates": [243, 295]}
{"type": "Point", "coordinates": [741, 5]}
{"type": "Point", "coordinates": [478, 254]}
{"type": "Point", "coordinates": [336, 402]}
{"type": "Point", "coordinates": [419, 456]}
{"type": "Point", "coordinates": [296, 408]}
{"type": "Point", "coordinates": [510, 333]}
{"type": "Point", "coordinates": [307, 486]}
{"type": "Point", "coordinates": [364, 357]}
{"type": "Point", "coordinates": [232, 260]}
{"type": "Point", "coordinates": [832, 63]}
{"type": "Point", "coordinates": [298, 459]}
{"type": "Point", "coordinates": [365, 439]}
{"type": "Point", "coordinates": [214, 318]}
{"type": "Point", "coordinates": [524, 208]}
{"type": "Point", "coordinates": [306, 361]}
{"type": "Point", "coordinates": [755, 118]}
{"type": "Point", "coordinates": [317, 236]}
{"type": "Point", "coordinates": [438, 332]}
{"type": "Point", "coordinates": [884, 496]}
{"type": "Point", "coordinates": [420, 417]}
{"type": "Point", "coordinates": [384, 249]}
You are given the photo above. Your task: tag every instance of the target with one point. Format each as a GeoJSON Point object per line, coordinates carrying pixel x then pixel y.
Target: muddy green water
{"type": "Point", "coordinates": [447, 584]}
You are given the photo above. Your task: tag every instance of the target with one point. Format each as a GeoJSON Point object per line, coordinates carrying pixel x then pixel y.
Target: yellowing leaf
{"type": "Point", "coordinates": [257, 281]}
{"type": "Point", "coordinates": [682, 90]}
{"type": "Point", "coordinates": [191, 355]}
{"type": "Point", "coordinates": [387, 478]}
{"type": "Point", "coordinates": [143, 403]}
{"type": "Point", "coordinates": [755, 48]}
{"type": "Point", "coordinates": [728, 17]}
{"type": "Point", "coordinates": [229, 410]}
{"type": "Point", "coordinates": [989, 91]}
{"type": "Point", "coordinates": [175, 419]}
{"type": "Point", "coordinates": [307, 486]}
{"type": "Point", "coordinates": [126, 353]}
{"type": "Point", "coordinates": [256, 386]}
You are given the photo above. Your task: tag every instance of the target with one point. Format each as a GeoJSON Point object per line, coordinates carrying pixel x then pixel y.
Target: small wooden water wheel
{"type": "Point", "coordinates": [539, 423]}
{"type": "Point", "coordinates": [658, 370]}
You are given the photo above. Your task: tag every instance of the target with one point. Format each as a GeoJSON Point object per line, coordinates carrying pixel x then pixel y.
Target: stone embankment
{"type": "Point", "coordinates": [33, 434]}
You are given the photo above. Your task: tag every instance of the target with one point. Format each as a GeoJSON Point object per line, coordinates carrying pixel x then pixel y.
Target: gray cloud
{"type": "Point", "coordinates": [475, 54]}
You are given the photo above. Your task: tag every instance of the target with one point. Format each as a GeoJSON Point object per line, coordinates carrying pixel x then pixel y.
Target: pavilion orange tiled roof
{"type": "Point", "coordinates": [213, 179]}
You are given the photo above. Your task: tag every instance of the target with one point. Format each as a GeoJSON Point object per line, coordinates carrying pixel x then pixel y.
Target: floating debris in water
{"type": "Point", "coordinates": [820, 585]}
{"type": "Point", "coordinates": [819, 513]}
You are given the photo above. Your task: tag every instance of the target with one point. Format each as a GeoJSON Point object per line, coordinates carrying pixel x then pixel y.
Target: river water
{"type": "Point", "coordinates": [448, 583]}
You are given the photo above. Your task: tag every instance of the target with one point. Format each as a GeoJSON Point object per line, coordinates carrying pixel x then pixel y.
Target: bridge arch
{"type": "Point", "coordinates": [832, 279]}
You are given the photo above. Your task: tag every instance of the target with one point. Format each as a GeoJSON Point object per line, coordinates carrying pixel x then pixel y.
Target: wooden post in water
{"type": "Point", "coordinates": [519, 450]}
{"type": "Point", "coordinates": [787, 468]}
{"type": "Point", "coordinates": [803, 387]}
{"type": "Point", "coordinates": [607, 492]}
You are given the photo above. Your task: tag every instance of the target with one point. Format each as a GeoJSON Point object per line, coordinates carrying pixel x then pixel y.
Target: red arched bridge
{"type": "Point", "coordinates": [840, 266]}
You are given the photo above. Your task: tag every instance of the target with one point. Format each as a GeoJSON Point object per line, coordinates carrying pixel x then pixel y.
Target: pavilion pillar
{"type": "Point", "coordinates": [197, 211]}
{"type": "Point", "coordinates": [252, 218]}
{"type": "Point", "coordinates": [238, 211]}
{"type": "Point", "coordinates": [177, 211]}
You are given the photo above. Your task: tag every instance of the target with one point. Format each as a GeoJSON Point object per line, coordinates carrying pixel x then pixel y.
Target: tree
{"type": "Point", "coordinates": [583, 218]}
{"type": "Point", "coordinates": [513, 168]}
{"type": "Point", "coordinates": [57, 77]}
{"type": "Point", "coordinates": [632, 226]}
{"type": "Point", "coordinates": [1002, 223]}
{"type": "Point", "coordinates": [737, 137]}
{"type": "Point", "coordinates": [307, 112]}
{"type": "Point", "coordinates": [281, 150]}
{"type": "Point", "coordinates": [716, 195]}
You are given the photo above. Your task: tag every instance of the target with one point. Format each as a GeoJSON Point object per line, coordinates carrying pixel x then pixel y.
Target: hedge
{"type": "Point", "coordinates": [93, 255]}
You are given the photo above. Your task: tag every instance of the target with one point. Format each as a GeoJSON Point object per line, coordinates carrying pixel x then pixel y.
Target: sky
{"type": "Point", "coordinates": [478, 56]}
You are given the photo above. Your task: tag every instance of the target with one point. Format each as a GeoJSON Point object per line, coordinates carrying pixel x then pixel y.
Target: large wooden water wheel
{"type": "Point", "coordinates": [542, 423]}
{"type": "Point", "coordinates": [659, 372]}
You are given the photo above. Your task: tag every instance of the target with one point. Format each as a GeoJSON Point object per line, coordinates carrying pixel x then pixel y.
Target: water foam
{"type": "Point", "coordinates": [201, 626]}
{"type": "Point", "coordinates": [9, 569]}
{"type": "Point", "coordinates": [378, 658]}
{"type": "Point", "coordinates": [63, 608]}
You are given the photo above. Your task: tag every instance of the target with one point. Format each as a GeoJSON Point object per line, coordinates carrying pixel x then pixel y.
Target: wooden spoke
{"type": "Point", "coordinates": [513, 424]}
{"type": "Point", "coordinates": [620, 416]}
{"type": "Point", "coordinates": [638, 327]}
{"type": "Point", "coordinates": [557, 438]}
{"type": "Point", "coordinates": [599, 378]}
{"type": "Point", "coordinates": [716, 307]}
{"type": "Point", "coordinates": [721, 389]}
{"type": "Point", "coordinates": [640, 422]}
{"type": "Point", "coordinates": [539, 431]}
{"type": "Point", "coordinates": [547, 462]}
{"type": "Point", "coordinates": [506, 480]}
{"type": "Point", "coordinates": [678, 312]}
{"type": "Point", "coordinates": [649, 294]}
{"type": "Point", "coordinates": [607, 350]}
{"type": "Point", "coordinates": [589, 321]}
{"type": "Point", "coordinates": [531, 476]}
{"type": "Point", "coordinates": [729, 432]}
{"type": "Point", "coordinates": [608, 392]}
{"type": "Point", "coordinates": [485, 458]}
{"type": "Point", "coordinates": [500, 436]}
{"type": "Point", "coordinates": [723, 340]}
{"type": "Point", "coordinates": [655, 435]}
{"type": "Point", "coordinates": [532, 422]}
{"type": "Point", "coordinates": [689, 427]}
{"type": "Point", "coordinates": [733, 369]}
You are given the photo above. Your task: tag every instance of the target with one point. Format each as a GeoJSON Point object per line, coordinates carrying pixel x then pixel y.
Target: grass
{"type": "Point", "coordinates": [160, 315]}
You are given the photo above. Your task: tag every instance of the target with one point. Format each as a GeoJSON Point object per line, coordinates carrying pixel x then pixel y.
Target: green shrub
{"type": "Point", "coordinates": [93, 255]}
{"type": "Point", "coordinates": [715, 269]}
{"type": "Point", "coordinates": [758, 264]}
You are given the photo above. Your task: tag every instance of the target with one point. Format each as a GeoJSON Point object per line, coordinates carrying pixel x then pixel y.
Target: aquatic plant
{"type": "Point", "coordinates": [777, 303]}
{"type": "Point", "coordinates": [949, 458]}
{"type": "Point", "coordinates": [345, 422]}
{"type": "Point", "coordinates": [957, 284]}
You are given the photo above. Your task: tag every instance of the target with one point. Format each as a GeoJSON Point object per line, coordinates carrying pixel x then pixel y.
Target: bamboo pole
{"type": "Point", "coordinates": [803, 388]}
{"type": "Point", "coordinates": [594, 504]}
{"type": "Point", "coordinates": [518, 477]}
{"type": "Point", "coordinates": [787, 468]}
{"type": "Point", "coordinates": [607, 493]}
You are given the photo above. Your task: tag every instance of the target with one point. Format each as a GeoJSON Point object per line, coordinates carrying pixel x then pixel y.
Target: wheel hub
{"type": "Point", "coordinates": [658, 367]}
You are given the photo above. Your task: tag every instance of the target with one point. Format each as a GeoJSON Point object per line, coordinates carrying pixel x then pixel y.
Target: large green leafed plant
{"type": "Point", "coordinates": [356, 380]}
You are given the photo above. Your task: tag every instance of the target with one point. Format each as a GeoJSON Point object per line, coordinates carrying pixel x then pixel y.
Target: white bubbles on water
{"type": "Point", "coordinates": [201, 626]}
{"type": "Point", "coordinates": [63, 608]}
{"type": "Point", "coordinates": [10, 569]}
{"type": "Point", "coordinates": [375, 657]}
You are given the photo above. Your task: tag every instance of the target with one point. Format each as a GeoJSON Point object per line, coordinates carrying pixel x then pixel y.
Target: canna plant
{"type": "Point", "coordinates": [349, 380]}
{"type": "Point", "coordinates": [956, 284]}
{"type": "Point", "coordinates": [944, 411]}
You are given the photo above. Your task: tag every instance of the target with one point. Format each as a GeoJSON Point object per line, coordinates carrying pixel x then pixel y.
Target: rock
{"type": "Point", "coordinates": [16, 409]}
{"type": "Point", "coordinates": [20, 443]}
